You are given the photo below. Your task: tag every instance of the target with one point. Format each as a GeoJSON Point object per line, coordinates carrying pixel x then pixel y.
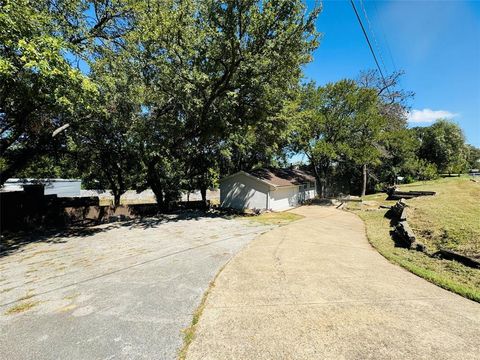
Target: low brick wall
{"type": "Point", "coordinates": [99, 214]}
{"type": "Point", "coordinates": [30, 209]}
{"type": "Point", "coordinates": [22, 210]}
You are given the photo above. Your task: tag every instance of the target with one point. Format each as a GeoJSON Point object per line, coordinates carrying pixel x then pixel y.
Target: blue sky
{"type": "Point", "coordinates": [437, 44]}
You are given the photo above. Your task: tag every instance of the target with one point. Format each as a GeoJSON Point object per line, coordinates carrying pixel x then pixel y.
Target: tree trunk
{"type": "Point", "coordinates": [156, 186]}
{"type": "Point", "coordinates": [319, 185]}
{"type": "Point", "coordinates": [364, 179]}
{"type": "Point", "coordinates": [203, 192]}
{"type": "Point", "coordinates": [324, 171]}
{"type": "Point", "coordinates": [167, 201]}
{"type": "Point", "coordinates": [320, 169]}
{"type": "Point", "coordinates": [117, 190]}
{"type": "Point", "coordinates": [116, 198]}
{"type": "Point", "coordinates": [121, 186]}
{"type": "Point", "coordinates": [318, 180]}
{"type": "Point", "coordinates": [157, 190]}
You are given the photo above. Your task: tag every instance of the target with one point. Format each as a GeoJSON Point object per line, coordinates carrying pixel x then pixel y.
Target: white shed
{"type": "Point", "coordinates": [268, 188]}
{"type": "Point", "coordinates": [59, 187]}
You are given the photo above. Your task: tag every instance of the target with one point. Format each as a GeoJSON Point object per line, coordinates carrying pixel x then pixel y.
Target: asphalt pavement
{"type": "Point", "coordinates": [116, 291]}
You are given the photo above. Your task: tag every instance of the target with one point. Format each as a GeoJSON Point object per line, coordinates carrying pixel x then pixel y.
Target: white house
{"type": "Point", "coordinates": [59, 187]}
{"type": "Point", "coordinates": [269, 188]}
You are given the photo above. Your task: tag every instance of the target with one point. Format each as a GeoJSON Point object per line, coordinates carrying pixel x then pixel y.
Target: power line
{"type": "Point", "coordinates": [368, 42]}
{"type": "Point", "coordinates": [385, 41]}
{"type": "Point", "coordinates": [377, 46]}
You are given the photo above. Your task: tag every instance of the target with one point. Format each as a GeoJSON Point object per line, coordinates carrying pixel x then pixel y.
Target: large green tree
{"type": "Point", "coordinates": [368, 130]}
{"type": "Point", "coordinates": [215, 68]}
{"type": "Point", "coordinates": [334, 124]}
{"type": "Point", "coordinates": [186, 90]}
{"type": "Point", "coordinates": [443, 144]}
{"type": "Point", "coordinates": [473, 157]}
{"type": "Point", "coordinates": [321, 118]}
{"type": "Point", "coordinates": [398, 144]}
{"type": "Point", "coordinates": [105, 148]}
{"type": "Point", "coordinates": [41, 89]}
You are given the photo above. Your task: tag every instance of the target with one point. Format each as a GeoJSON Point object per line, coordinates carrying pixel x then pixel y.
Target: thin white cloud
{"type": "Point", "coordinates": [429, 115]}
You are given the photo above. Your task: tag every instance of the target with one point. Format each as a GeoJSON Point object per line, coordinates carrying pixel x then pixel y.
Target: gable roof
{"type": "Point", "coordinates": [275, 177]}
{"type": "Point", "coordinates": [282, 177]}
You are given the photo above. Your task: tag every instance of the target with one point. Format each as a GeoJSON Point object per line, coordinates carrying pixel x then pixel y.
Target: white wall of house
{"type": "Point", "coordinates": [307, 192]}
{"type": "Point", "coordinates": [287, 197]}
{"type": "Point", "coordinates": [243, 192]}
{"type": "Point", "coordinates": [284, 198]}
{"type": "Point", "coordinates": [59, 187]}
{"type": "Point", "coordinates": [63, 188]}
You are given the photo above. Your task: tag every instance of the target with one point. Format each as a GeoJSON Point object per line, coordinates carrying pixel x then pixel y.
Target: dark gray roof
{"type": "Point", "coordinates": [282, 177]}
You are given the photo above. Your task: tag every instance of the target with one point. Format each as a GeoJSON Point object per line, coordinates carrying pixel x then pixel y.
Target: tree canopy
{"type": "Point", "coordinates": [41, 89]}
{"type": "Point", "coordinates": [171, 91]}
{"type": "Point", "coordinates": [443, 144]}
{"type": "Point", "coordinates": [172, 95]}
{"type": "Point", "coordinates": [334, 124]}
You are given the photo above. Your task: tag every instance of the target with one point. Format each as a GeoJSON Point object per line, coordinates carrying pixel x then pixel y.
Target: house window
{"type": "Point", "coordinates": [305, 186]}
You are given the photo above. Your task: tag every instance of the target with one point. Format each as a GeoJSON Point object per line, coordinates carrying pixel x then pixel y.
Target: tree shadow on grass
{"type": "Point", "coordinates": [11, 243]}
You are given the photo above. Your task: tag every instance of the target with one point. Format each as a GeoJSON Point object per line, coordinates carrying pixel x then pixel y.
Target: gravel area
{"type": "Point", "coordinates": [120, 290]}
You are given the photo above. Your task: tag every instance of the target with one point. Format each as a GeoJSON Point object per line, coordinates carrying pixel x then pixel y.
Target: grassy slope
{"type": "Point", "coordinates": [451, 219]}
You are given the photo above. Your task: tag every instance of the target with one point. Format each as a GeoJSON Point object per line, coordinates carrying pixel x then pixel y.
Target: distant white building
{"type": "Point", "coordinates": [59, 187]}
{"type": "Point", "coordinates": [269, 188]}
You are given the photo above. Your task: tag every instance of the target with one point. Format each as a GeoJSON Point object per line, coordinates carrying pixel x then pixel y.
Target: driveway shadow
{"type": "Point", "coordinates": [11, 243]}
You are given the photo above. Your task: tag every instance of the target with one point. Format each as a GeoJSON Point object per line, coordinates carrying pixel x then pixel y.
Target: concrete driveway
{"type": "Point", "coordinates": [116, 291]}
{"type": "Point", "coordinates": [316, 289]}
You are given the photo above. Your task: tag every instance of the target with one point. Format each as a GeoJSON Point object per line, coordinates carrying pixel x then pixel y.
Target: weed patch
{"type": "Point", "coordinates": [276, 218]}
{"type": "Point", "coordinates": [21, 307]}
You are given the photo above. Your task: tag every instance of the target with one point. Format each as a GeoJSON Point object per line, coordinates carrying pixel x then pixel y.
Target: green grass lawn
{"type": "Point", "coordinates": [450, 219]}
